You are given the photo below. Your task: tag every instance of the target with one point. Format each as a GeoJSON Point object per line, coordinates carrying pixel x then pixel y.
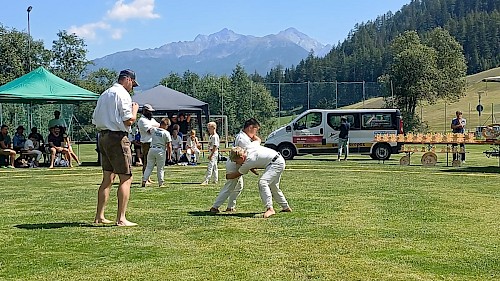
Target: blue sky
{"type": "Point", "coordinates": [109, 26]}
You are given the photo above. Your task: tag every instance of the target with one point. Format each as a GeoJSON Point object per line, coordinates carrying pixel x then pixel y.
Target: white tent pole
{"type": "Point", "coordinates": [1, 114]}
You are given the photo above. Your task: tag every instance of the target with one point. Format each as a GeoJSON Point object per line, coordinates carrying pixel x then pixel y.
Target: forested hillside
{"type": "Point", "coordinates": [364, 54]}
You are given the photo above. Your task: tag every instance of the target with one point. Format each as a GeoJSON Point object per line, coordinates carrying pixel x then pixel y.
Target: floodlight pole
{"type": "Point", "coordinates": [29, 38]}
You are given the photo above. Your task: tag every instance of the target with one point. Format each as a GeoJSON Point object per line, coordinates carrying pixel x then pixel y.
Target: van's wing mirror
{"type": "Point", "coordinates": [288, 129]}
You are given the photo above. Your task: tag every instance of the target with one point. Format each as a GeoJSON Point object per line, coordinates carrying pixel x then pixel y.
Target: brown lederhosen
{"type": "Point", "coordinates": [116, 154]}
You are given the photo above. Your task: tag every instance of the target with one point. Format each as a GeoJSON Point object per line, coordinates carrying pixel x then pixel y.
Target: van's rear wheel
{"type": "Point", "coordinates": [381, 151]}
{"type": "Point", "coordinates": [287, 151]}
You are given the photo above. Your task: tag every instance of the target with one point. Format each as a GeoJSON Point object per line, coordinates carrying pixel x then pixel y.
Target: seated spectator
{"type": "Point", "coordinates": [32, 148]}
{"type": "Point", "coordinates": [19, 139]}
{"type": "Point", "coordinates": [176, 146]}
{"type": "Point", "coordinates": [6, 146]}
{"type": "Point", "coordinates": [177, 127]}
{"type": "Point", "coordinates": [35, 135]}
{"type": "Point", "coordinates": [193, 147]}
{"type": "Point", "coordinates": [56, 140]}
{"type": "Point", "coordinates": [67, 144]}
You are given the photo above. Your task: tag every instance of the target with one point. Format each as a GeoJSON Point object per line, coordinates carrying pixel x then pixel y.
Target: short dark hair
{"type": "Point", "coordinates": [57, 112]}
{"type": "Point", "coordinates": [4, 126]}
{"type": "Point", "coordinates": [250, 122]}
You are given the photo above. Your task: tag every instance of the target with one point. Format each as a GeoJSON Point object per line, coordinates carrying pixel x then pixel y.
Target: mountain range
{"type": "Point", "coordinates": [217, 53]}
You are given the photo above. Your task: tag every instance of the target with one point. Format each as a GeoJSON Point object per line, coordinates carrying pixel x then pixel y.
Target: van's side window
{"type": "Point", "coordinates": [376, 121]}
{"type": "Point", "coordinates": [310, 120]}
{"type": "Point", "coordinates": [334, 120]}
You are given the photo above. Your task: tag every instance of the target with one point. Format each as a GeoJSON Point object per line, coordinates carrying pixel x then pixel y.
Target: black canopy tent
{"type": "Point", "coordinates": [167, 101]}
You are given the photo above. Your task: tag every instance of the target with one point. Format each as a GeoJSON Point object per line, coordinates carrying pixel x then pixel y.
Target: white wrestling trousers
{"type": "Point", "coordinates": [155, 156]}
{"type": "Point", "coordinates": [232, 188]}
{"type": "Point", "coordinates": [189, 153]}
{"type": "Point", "coordinates": [269, 184]}
{"type": "Point", "coordinates": [212, 170]}
{"type": "Point", "coordinates": [176, 154]}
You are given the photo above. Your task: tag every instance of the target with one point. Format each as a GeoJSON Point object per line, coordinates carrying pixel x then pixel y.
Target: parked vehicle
{"type": "Point", "coordinates": [315, 131]}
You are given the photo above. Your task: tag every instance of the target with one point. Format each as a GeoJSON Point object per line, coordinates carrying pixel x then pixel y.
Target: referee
{"type": "Point", "coordinates": [114, 114]}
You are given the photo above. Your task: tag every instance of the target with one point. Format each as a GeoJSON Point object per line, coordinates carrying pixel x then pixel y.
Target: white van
{"type": "Point", "coordinates": [315, 131]}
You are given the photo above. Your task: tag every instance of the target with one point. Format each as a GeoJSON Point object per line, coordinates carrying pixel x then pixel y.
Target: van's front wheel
{"type": "Point", "coordinates": [381, 151]}
{"type": "Point", "coordinates": [287, 151]}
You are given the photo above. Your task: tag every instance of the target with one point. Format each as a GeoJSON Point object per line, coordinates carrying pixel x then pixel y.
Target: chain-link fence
{"type": "Point", "coordinates": [298, 97]}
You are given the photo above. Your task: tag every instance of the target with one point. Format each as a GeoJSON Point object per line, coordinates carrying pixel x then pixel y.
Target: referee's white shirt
{"type": "Point", "coordinates": [113, 107]}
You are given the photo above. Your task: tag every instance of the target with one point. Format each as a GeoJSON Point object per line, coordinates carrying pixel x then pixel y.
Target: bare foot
{"type": "Point", "coordinates": [125, 223]}
{"type": "Point", "coordinates": [105, 221]}
{"type": "Point", "coordinates": [51, 167]}
{"type": "Point", "coordinates": [287, 210]}
{"type": "Point", "coordinates": [269, 213]}
{"type": "Point", "coordinates": [214, 210]}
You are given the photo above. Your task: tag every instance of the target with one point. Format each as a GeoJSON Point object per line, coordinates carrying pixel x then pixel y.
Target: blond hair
{"type": "Point", "coordinates": [236, 152]}
{"type": "Point", "coordinates": [165, 121]}
{"type": "Point", "coordinates": [192, 132]}
{"type": "Point", "coordinates": [212, 124]}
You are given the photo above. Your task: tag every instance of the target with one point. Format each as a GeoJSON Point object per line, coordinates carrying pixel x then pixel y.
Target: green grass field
{"type": "Point", "coordinates": [354, 220]}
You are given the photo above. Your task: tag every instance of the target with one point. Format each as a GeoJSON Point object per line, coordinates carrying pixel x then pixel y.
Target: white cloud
{"type": "Point", "coordinates": [117, 34]}
{"type": "Point", "coordinates": [88, 30]}
{"type": "Point", "coordinates": [139, 9]}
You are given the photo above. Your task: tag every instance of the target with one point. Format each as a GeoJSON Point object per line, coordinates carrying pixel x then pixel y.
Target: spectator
{"type": "Point", "coordinates": [137, 149]}
{"type": "Point", "coordinates": [58, 122]}
{"type": "Point", "coordinates": [67, 144]}
{"type": "Point", "coordinates": [343, 138]}
{"type": "Point", "coordinates": [458, 127]}
{"type": "Point", "coordinates": [6, 146]}
{"type": "Point", "coordinates": [183, 122]}
{"type": "Point", "coordinates": [55, 140]}
{"type": "Point", "coordinates": [19, 139]}
{"type": "Point", "coordinates": [176, 146]}
{"type": "Point", "coordinates": [35, 135]}
{"type": "Point", "coordinates": [32, 147]}
{"type": "Point", "coordinates": [193, 148]}
{"type": "Point", "coordinates": [177, 128]}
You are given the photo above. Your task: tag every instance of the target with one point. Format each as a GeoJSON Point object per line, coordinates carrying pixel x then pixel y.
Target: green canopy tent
{"type": "Point", "coordinates": [42, 87]}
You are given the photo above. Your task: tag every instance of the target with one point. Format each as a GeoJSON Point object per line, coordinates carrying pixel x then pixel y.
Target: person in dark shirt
{"type": "Point", "coordinates": [458, 127]}
{"type": "Point", "coordinates": [343, 137]}
{"type": "Point", "coordinates": [183, 122]}
{"type": "Point", "coordinates": [35, 135]}
{"type": "Point", "coordinates": [56, 144]}
{"type": "Point", "coordinates": [19, 139]}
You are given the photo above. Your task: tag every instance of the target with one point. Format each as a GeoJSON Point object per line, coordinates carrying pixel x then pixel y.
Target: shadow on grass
{"type": "Point", "coordinates": [485, 170]}
{"type": "Point", "coordinates": [90, 164]}
{"type": "Point", "coordinates": [225, 214]}
{"type": "Point", "coordinates": [367, 160]}
{"type": "Point", "coordinates": [55, 225]}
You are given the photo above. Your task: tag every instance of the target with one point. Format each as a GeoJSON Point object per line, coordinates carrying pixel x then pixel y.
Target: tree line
{"type": "Point", "coordinates": [366, 53]}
